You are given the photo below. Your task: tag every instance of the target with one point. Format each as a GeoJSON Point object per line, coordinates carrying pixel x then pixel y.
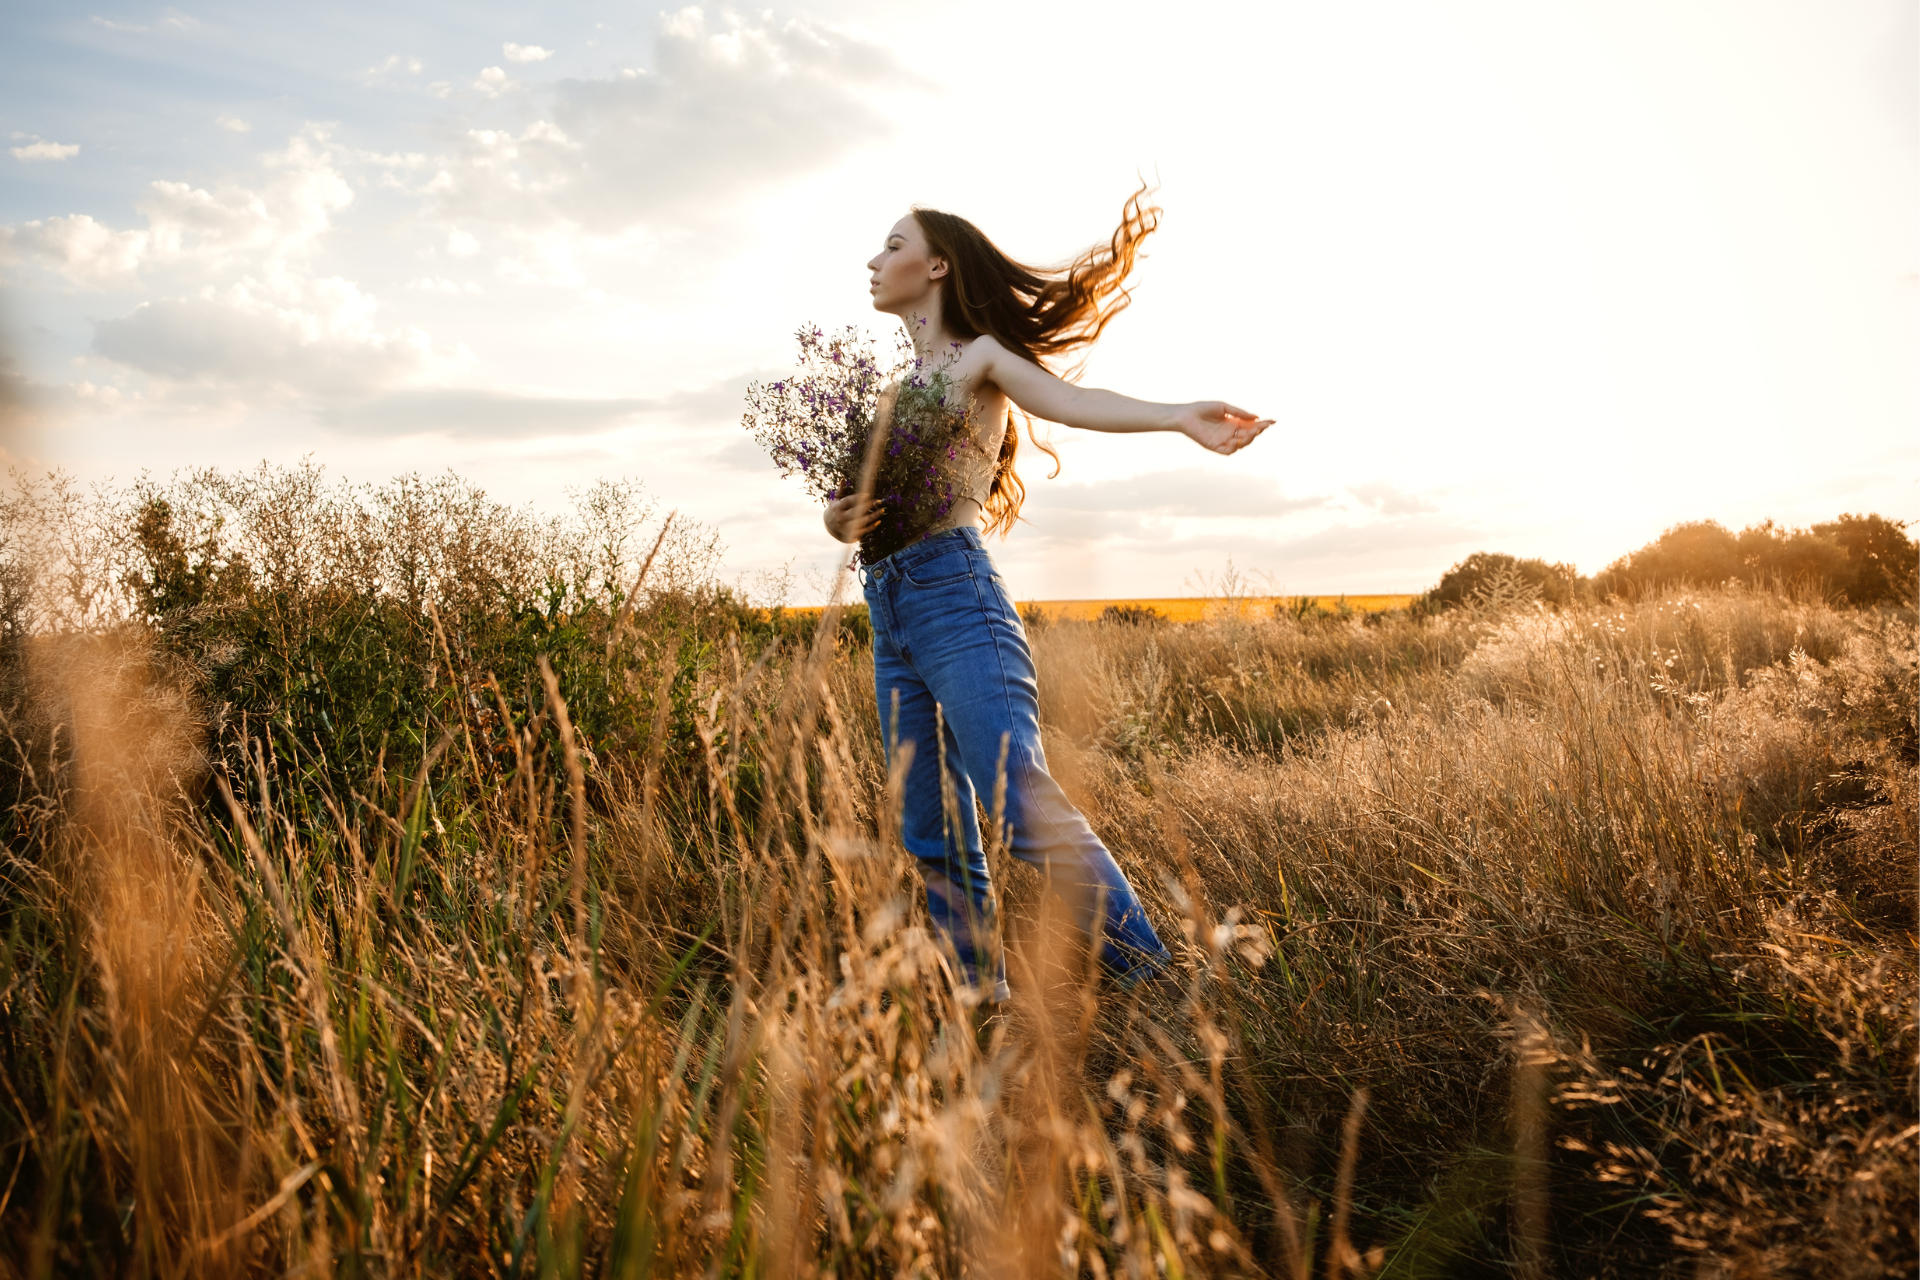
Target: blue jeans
{"type": "Point", "coordinates": [954, 677]}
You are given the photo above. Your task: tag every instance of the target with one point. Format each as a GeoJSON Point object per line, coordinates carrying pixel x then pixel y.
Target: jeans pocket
{"type": "Point", "coordinates": [942, 570]}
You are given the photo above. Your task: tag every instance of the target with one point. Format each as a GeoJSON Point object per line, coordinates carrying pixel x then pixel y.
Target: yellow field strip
{"type": "Point", "coordinates": [1195, 608]}
{"type": "Point", "coordinates": [1198, 608]}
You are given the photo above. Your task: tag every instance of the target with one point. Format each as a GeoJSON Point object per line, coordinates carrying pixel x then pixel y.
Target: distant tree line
{"type": "Point", "coordinates": [1858, 560]}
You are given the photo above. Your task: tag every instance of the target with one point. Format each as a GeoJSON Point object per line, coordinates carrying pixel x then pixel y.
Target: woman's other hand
{"type": "Point", "coordinates": [1219, 426]}
{"type": "Point", "coordinates": [848, 519]}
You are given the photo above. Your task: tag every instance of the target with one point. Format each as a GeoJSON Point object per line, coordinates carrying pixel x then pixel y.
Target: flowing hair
{"type": "Point", "coordinates": [1042, 313]}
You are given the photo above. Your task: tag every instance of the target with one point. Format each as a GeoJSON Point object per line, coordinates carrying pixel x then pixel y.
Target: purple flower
{"type": "Point", "coordinates": [815, 423]}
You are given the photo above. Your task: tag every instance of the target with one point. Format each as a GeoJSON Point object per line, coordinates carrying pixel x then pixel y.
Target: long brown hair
{"type": "Point", "coordinates": [1042, 313]}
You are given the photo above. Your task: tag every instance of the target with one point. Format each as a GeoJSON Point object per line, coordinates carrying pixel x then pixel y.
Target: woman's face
{"type": "Point", "coordinates": [904, 273]}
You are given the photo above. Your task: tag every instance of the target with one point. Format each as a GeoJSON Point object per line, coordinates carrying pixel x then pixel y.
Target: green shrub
{"type": "Point", "coordinates": [1494, 577]}
{"type": "Point", "coordinates": [1302, 610]}
{"type": "Point", "coordinates": [1862, 560]}
{"type": "Point", "coordinates": [1883, 563]}
{"type": "Point", "coordinates": [1133, 615]}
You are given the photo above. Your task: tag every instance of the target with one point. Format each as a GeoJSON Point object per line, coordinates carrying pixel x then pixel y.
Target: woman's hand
{"type": "Point", "coordinates": [849, 520]}
{"type": "Point", "coordinates": [1219, 426]}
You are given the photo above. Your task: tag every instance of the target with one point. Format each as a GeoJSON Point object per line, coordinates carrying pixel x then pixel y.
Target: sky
{"type": "Point", "coordinates": [1542, 279]}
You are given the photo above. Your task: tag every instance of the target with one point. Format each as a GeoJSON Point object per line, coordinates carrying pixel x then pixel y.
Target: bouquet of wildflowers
{"type": "Point", "coordinates": [815, 423]}
{"type": "Point", "coordinates": [818, 424]}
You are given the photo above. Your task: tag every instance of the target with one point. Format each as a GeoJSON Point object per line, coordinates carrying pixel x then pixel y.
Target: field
{"type": "Point", "coordinates": [398, 884]}
{"type": "Point", "coordinates": [1202, 608]}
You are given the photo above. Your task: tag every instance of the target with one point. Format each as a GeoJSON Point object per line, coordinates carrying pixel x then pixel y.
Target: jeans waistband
{"type": "Point", "coordinates": [889, 567]}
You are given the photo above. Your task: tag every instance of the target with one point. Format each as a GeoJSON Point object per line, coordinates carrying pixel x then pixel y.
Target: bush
{"type": "Point", "coordinates": [1883, 563]}
{"type": "Point", "coordinates": [1133, 615]}
{"type": "Point", "coordinates": [342, 625]}
{"type": "Point", "coordinates": [1493, 577]}
{"type": "Point", "coordinates": [1302, 610]}
{"type": "Point", "coordinates": [1861, 560]}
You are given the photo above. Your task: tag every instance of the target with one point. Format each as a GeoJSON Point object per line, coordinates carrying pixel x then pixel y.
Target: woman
{"type": "Point", "coordinates": [952, 670]}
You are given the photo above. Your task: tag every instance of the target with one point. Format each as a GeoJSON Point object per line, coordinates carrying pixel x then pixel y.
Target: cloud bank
{"type": "Point", "coordinates": [316, 338]}
{"type": "Point", "coordinates": [593, 171]}
{"type": "Point", "coordinates": [730, 105]}
{"type": "Point", "coordinates": [209, 230]}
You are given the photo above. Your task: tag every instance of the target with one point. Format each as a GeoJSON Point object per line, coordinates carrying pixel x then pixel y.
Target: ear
{"type": "Point", "coordinates": [936, 268]}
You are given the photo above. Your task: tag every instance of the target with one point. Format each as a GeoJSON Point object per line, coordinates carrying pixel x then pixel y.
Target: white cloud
{"type": "Point", "coordinates": [286, 334]}
{"type": "Point", "coordinates": [741, 104]}
{"type": "Point", "coordinates": [105, 395]}
{"type": "Point", "coordinates": [272, 223]}
{"type": "Point", "coordinates": [47, 151]}
{"type": "Point", "coordinates": [290, 211]}
{"type": "Point", "coordinates": [391, 160]}
{"type": "Point", "coordinates": [395, 62]}
{"type": "Point", "coordinates": [261, 321]}
{"type": "Point", "coordinates": [173, 18]}
{"type": "Point", "coordinates": [461, 245]}
{"type": "Point", "coordinates": [542, 131]}
{"type": "Point", "coordinates": [475, 413]}
{"type": "Point", "coordinates": [84, 251]}
{"type": "Point", "coordinates": [1391, 500]}
{"type": "Point", "coordinates": [732, 104]}
{"type": "Point", "coordinates": [545, 259]}
{"type": "Point", "coordinates": [232, 123]}
{"type": "Point", "coordinates": [525, 52]}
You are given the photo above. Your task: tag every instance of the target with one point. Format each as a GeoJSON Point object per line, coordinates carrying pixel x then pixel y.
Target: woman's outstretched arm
{"type": "Point", "coordinates": [1215, 424]}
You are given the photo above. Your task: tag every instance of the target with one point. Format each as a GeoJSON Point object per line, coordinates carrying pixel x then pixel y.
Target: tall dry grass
{"type": "Point", "coordinates": [505, 916]}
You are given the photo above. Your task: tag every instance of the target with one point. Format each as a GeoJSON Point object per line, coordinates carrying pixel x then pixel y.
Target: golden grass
{"type": "Point", "coordinates": [1508, 941]}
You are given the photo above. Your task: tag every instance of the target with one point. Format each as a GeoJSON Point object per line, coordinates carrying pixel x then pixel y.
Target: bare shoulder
{"type": "Point", "coordinates": [978, 356]}
{"type": "Point", "coordinates": [987, 363]}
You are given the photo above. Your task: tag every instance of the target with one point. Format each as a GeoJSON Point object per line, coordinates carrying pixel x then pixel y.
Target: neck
{"type": "Point", "coordinates": [932, 344]}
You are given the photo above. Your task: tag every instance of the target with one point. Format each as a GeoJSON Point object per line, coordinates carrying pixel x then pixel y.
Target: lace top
{"type": "Point", "coordinates": [937, 454]}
